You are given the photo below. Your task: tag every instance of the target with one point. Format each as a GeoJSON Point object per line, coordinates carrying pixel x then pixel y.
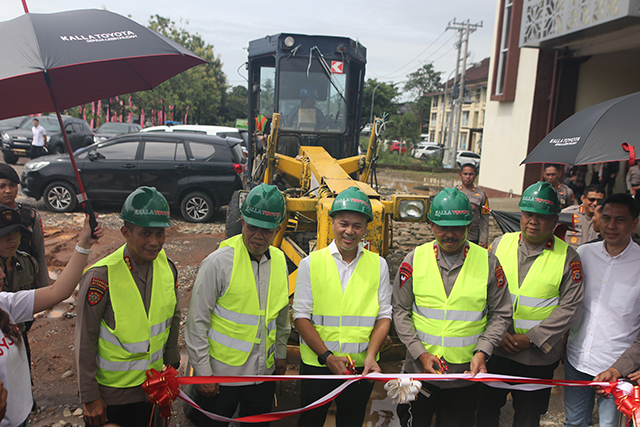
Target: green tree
{"type": "Point", "coordinates": [403, 128]}
{"type": "Point", "coordinates": [424, 80]}
{"type": "Point", "coordinates": [201, 89]}
{"type": "Point", "coordinates": [234, 106]}
{"type": "Point", "coordinates": [384, 101]}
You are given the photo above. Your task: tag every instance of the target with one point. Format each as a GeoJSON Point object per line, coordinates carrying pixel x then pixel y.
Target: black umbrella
{"type": "Point", "coordinates": [51, 62]}
{"type": "Point", "coordinates": [605, 132]}
{"type": "Point", "coordinates": [509, 222]}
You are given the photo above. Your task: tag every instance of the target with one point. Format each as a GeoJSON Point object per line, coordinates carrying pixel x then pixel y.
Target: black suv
{"type": "Point", "coordinates": [17, 143]}
{"type": "Point", "coordinates": [196, 173]}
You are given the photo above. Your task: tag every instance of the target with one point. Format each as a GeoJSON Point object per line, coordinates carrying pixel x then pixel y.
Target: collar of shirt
{"type": "Point", "coordinates": [528, 251]}
{"type": "Point", "coordinates": [621, 255]}
{"type": "Point", "coordinates": [443, 263]}
{"type": "Point", "coordinates": [267, 257]}
{"type": "Point", "coordinates": [134, 268]}
{"type": "Point", "coordinates": [335, 252]}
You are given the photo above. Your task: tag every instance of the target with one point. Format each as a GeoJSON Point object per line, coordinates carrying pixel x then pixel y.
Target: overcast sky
{"type": "Point", "coordinates": [399, 36]}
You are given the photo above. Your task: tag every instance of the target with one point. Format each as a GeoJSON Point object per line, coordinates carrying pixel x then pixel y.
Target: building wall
{"type": "Point", "coordinates": [602, 77]}
{"type": "Point", "coordinates": [506, 130]}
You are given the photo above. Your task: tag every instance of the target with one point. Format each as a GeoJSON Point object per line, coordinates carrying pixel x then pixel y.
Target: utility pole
{"type": "Point", "coordinates": [453, 101]}
{"type": "Point", "coordinates": [467, 28]}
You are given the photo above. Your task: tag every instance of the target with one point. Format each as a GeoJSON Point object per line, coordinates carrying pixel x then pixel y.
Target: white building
{"type": "Point", "coordinates": [550, 60]}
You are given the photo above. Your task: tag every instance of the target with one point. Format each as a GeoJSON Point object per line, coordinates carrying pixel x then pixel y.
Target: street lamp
{"type": "Point", "coordinates": [373, 94]}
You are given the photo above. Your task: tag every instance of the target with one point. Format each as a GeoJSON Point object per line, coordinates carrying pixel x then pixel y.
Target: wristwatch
{"type": "Point", "coordinates": [322, 359]}
{"type": "Point", "coordinates": [486, 355]}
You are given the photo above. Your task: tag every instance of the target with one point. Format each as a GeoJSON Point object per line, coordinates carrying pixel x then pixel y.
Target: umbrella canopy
{"type": "Point", "coordinates": [509, 222]}
{"type": "Point", "coordinates": [593, 135]}
{"type": "Point", "coordinates": [86, 55]}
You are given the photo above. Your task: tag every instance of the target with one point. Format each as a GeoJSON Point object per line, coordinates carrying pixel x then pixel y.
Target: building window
{"type": "Point", "coordinates": [507, 53]}
{"type": "Point", "coordinates": [432, 136]}
{"type": "Point", "coordinates": [434, 118]}
{"type": "Point", "coordinates": [434, 101]}
{"type": "Point", "coordinates": [465, 119]}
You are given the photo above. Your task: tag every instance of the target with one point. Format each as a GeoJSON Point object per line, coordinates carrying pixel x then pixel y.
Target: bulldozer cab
{"type": "Point", "coordinates": [315, 83]}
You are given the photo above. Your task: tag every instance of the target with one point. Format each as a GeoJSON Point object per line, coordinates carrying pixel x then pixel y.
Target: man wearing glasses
{"type": "Point", "coordinates": [583, 217]}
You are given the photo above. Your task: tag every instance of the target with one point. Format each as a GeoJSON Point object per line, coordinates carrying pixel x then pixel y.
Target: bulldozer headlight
{"type": "Point", "coordinates": [410, 208]}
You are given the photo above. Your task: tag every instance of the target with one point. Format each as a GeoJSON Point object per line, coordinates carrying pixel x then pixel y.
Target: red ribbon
{"type": "Point", "coordinates": [162, 388]}
{"type": "Point", "coordinates": [628, 404]}
{"type": "Point", "coordinates": [632, 152]}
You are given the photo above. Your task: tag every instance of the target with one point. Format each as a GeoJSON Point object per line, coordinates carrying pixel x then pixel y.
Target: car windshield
{"type": "Point", "coordinates": [14, 122]}
{"type": "Point", "coordinates": [114, 128]}
{"type": "Point", "coordinates": [307, 99]}
{"type": "Point", "coordinates": [51, 126]}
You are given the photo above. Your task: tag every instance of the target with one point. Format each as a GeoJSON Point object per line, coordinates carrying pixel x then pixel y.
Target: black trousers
{"type": "Point", "coordinates": [131, 415]}
{"type": "Point", "coordinates": [351, 403]}
{"type": "Point", "coordinates": [528, 405]}
{"type": "Point", "coordinates": [253, 400]}
{"type": "Point", "coordinates": [36, 151]}
{"type": "Point", "coordinates": [453, 407]}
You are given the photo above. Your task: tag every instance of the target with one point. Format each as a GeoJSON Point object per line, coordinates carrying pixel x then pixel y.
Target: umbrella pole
{"type": "Point", "coordinates": [82, 197]}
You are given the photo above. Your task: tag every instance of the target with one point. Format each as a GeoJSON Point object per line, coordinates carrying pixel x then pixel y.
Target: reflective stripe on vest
{"type": "Point", "coordinates": [539, 294]}
{"type": "Point", "coordinates": [450, 326]}
{"type": "Point", "coordinates": [343, 321]}
{"type": "Point", "coordinates": [126, 352]}
{"type": "Point", "coordinates": [237, 318]}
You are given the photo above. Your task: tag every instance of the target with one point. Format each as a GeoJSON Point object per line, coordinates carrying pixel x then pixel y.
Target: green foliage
{"type": "Point", "coordinates": [387, 158]}
{"type": "Point", "coordinates": [383, 102]}
{"type": "Point", "coordinates": [234, 106]}
{"type": "Point", "coordinates": [403, 128]}
{"type": "Point", "coordinates": [422, 81]}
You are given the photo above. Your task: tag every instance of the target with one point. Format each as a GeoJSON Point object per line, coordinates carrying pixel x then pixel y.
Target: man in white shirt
{"type": "Point", "coordinates": [39, 139]}
{"type": "Point", "coordinates": [610, 318]}
{"type": "Point", "coordinates": [342, 310]}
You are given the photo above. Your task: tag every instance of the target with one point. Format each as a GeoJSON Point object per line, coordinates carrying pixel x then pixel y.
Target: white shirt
{"type": "Point", "coordinates": [14, 367]}
{"type": "Point", "coordinates": [38, 136]}
{"type": "Point", "coordinates": [303, 297]}
{"type": "Point", "coordinates": [610, 318]}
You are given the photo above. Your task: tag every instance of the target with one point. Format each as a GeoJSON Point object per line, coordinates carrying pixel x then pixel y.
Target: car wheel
{"type": "Point", "coordinates": [233, 226]}
{"type": "Point", "coordinates": [58, 149]}
{"type": "Point", "coordinates": [459, 165]}
{"type": "Point", "coordinates": [197, 207]}
{"type": "Point", "coordinates": [10, 159]}
{"type": "Point", "coordinates": [60, 197]}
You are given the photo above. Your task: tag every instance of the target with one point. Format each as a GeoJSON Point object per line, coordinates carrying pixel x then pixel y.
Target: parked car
{"type": "Point", "coordinates": [223, 131]}
{"type": "Point", "coordinates": [14, 123]}
{"type": "Point", "coordinates": [196, 173]}
{"type": "Point", "coordinates": [426, 150]}
{"type": "Point", "coordinates": [17, 143]}
{"type": "Point", "coordinates": [464, 157]}
{"type": "Point", "coordinates": [396, 146]}
{"type": "Point", "coordinates": [111, 129]}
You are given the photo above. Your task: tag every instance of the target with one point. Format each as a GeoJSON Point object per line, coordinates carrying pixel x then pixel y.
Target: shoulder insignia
{"type": "Point", "coordinates": [7, 215]}
{"type": "Point", "coordinates": [576, 271]}
{"type": "Point", "coordinates": [127, 260]}
{"type": "Point", "coordinates": [490, 247]}
{"type": "Point", "coordinates": [97, 288]}
{"type": "Point", "coordinates": [500, 279]}
{"type": "Point", "coordinates": [550, 243]}
{"type": "Point", "coordinates": [406, 271]}
{"type": "Point", "coordinates": [435, 250]}
{"type": "Point", "coordinates": [466, 251]}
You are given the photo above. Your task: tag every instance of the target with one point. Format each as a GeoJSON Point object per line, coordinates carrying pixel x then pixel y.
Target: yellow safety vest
{"type": "Point", "coordinates": [235, 321]}
{"type": "Point", "coordinates": [450, 326]}
{"type": "Point", "coordinates": [540, 291]}
{"type": "Point", "coordinates": [343, 321]}
{"type": "Point", "coordinates": [138, 340]}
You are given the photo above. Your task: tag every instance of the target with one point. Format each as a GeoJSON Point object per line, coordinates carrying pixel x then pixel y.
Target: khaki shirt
{"type": "Point", "coordinates": [93, 306]}
{"type": "Point", "coordinates": [212, 283]}
{"type": "Point", "coordinates": [566, 196]}
{"type": "Point", "coordinates": [479, 231]}
{"type": "Point", "coordinates": [33, 244]}
{"type": "Point", "coordinates": [498, 315]}
{"type": "Point", "coordinates": [547, 336]}
{"type": "Point", "coordinates": [23, 275]}
{"type": "Point", "coordinates": [633, 177]}
{"type": "Point", "coordinates": [583, 224]}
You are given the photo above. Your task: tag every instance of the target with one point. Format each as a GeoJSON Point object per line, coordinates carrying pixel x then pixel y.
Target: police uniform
{"type": "Point", "coordinates": [566, 196]}
{"type": "Point", "coordinates": [479, 231]}
{"type": "Point", "coordinates": [558, 298]}
{"type": "Point", "coordinates": [582, 224]}
{"type": "Point", "coordinates": [96, 315]}
{"type": "Point", "coordinates": [221, 298]}
{"type": "Point", "coordinates": [329, 289]}
{"type": "Point", "coordinates": [491, 284]}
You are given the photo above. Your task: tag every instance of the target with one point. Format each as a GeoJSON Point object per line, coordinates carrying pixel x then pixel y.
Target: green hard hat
{"type": "Point", "coordinates": [146, 207]}
{"type": "Point", "coordinates": [264, 207]}
{"type": "Point", "coordinates": [352, 199]}
{"type": "Point", "coordinates": [540, 198]}
{"type": "Point", "coordinates": [450, 208]}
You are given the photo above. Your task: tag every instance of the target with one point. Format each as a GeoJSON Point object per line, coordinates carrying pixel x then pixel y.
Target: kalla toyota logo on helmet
{"type": "Point", "coordinates": [104, 37]}
{"type": "Point", "coordinates": [453, 212]}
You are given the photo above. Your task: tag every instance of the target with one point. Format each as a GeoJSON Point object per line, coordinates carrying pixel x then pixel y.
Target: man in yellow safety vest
{"type": "Point", "coordinates": [342, 310]}
{"type": "Point", "coordinates": [545, 281]}
{"type": "Point", "coordinates": [450, 308]}
{"type": "Point", "coordinates": [238, 321]}
{"type": "Point", "coordinates": [128, 317]}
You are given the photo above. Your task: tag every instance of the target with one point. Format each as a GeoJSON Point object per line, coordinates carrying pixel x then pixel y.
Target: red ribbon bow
{"type": "Point", "coordinates": [162, 389]}
{"type": "Point", "coordinates": [632, 152]}
{"type": "Point", "coordinates": [628, 404]}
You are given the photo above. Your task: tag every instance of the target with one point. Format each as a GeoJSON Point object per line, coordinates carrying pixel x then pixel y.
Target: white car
{"type": "Point", "coordinates": [427, 149]}
{"type": "Point", "coordinates": [464, 157]}
{"type": "Point", "coordinates": [222, 131]}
